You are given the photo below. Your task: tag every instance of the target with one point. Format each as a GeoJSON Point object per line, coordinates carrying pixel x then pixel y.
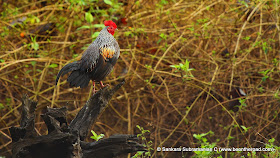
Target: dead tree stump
{"type": "Point", "coordinates": [67, 141]}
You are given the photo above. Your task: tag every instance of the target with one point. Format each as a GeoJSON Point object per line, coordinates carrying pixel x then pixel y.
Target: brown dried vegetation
{"type": "Point", "coordinates": [229, 45]}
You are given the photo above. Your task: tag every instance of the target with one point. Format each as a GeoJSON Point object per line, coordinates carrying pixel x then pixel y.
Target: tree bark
{"type": "Point", "coordinates": [65, 141]}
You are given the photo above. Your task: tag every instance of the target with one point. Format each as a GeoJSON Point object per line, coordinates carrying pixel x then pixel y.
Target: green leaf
{"type": "Point", "coordinates": [99, 25]}
{"type": "Point", "coordinates": [95, 35]}
{"type": "Point", "coordinates": [33, 63]}
{"type": "Point", "coordinates": [276, 95]}
{"type": "Point", "coordinates": [95, 136]}
{"type": "Point", "coordinates": [244, 3]}
{"type": "Point", "coordinates": [271, 140]}
{"type": "Point", "coordinates": [204, 139]}
{"type": "Point", "coordinates": [159, 41]}
{"type": "Point", "coordinates": [75, 55]}
{"type": "Point", "coordinates": [230, 137]}
{"type": "Point", "coordinates": [203, 134]}
{"type": "Point", "coordinates": [108, 2]}
{"type": "Point", "coordinates": [200, 136]}
{"type": "Point", "coordinates": [127, 33]}
{"type": "Point", "coordinates": [93, 133]}
{"type": "Point", "coordinates": [164, 2]}
{"type": "Point", "coordinates": [83, 27]}
{"type": "Point", "coordinates": [89, 17]}
{"type": "Point", "coordinates": [100, 136]}
{"type": "Point", "coordinates": [181, 65]}
{"type": "Point", "coordinates": [244, 128]}
{"type": "Point", "coordinates": [28, 71]}
{"type": "Point", "coordinates": [197, 136]}
{"type": "Point", "coordinates": [163, 36]}
{"type": "Point", "coordinates": [53, 66]}
{"type": "Point", "coordinates": [35, 46]}
{"type": "Point", "coordinates": [8, 100]}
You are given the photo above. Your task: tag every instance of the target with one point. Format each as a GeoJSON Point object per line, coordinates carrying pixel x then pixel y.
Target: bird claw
{"type": "Point", "coordinates": [102, 85]}
{"type": "Point", "coordinates": [105, 85]}
{"type": "Point", "coordinates": [94, 91]}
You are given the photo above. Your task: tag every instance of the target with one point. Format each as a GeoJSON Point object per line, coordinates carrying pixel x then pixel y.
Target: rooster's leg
{"type": "Point", "coordinates": [102, 85]}
{"type": "Point", "coordinates": [93, 88]}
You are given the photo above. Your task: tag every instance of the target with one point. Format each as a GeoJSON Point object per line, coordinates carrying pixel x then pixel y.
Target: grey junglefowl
{"type": "Point", "coordinates": [97, 61]}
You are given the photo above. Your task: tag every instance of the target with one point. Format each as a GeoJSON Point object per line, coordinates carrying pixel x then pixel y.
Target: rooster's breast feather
{"type": "Point", "coordinates": [110, 53]}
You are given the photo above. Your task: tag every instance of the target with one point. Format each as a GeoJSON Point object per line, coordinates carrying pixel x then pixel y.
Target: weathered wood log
{"type": "Point", "coordinates": [88, 114]}
{"type": "Point", "coordinates": [112, 146]}
{"type": "Point", "coordinates": [65, 141]}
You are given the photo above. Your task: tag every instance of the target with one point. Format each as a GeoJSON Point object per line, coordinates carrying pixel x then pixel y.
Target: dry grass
{"type": "Point", "coordinates": [155, 96]}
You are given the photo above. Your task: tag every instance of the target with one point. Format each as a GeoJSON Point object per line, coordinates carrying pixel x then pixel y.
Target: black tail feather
{"type": "Point", "coordinates": [67, 68]}
{"type": "Point", "coordinates": [78, 79]}
{"type": "Point", "coordinates": [84, 83]}
{"type": "Point", "coordinates": [74, 78]}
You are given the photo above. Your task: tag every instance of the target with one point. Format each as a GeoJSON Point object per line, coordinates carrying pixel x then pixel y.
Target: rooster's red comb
{"type": "Point", "coordinates": [110, 23]}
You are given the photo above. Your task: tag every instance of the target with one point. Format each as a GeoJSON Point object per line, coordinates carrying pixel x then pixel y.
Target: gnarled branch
{"type": "Point", "coordinates": [65, 141]}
